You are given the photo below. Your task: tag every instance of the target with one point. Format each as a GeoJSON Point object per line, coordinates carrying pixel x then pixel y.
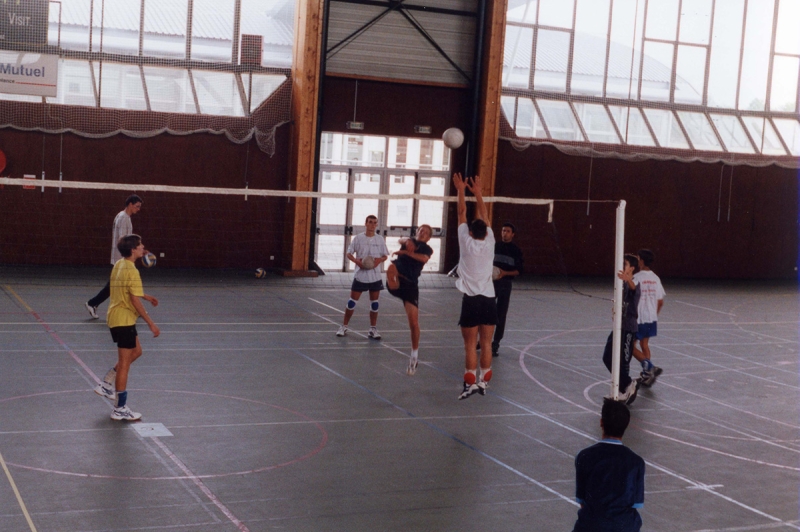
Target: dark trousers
{"type": "Point", "coordinates": [626, 346]}
{"type": "Point", "coordinates": [103, 294]}
{"type": "Point", "coordinates": [502, 291]}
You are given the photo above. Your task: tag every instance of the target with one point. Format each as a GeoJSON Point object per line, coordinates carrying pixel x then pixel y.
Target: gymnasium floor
{"type": "Point", "coordinates": [257, 417]}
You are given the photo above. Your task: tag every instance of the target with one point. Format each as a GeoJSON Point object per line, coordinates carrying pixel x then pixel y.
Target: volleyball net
{"type": "Point", "coordinates": [68, 224]}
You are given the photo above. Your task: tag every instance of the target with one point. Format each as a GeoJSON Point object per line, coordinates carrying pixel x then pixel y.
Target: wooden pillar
{"type": "Point", "coordinates": [491, 86]}
{"type": "Point", "coordinates": [305, 91]}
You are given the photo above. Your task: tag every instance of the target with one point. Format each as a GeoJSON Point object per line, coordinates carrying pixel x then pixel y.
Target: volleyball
{"type": "Point", "coordinates": [496, 273]}
{"type": "Point", "coordinates": [148, 260]}
{"type": "Point", "coordinates": [261, 273]}
{"type": "Point", "coordinates": [453, 138]}
{"type": "Point", "coordinates": [368, 263]}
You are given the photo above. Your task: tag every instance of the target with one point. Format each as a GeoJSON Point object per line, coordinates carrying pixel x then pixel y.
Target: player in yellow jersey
{"type": "Point", "coordinates": [123, 311]}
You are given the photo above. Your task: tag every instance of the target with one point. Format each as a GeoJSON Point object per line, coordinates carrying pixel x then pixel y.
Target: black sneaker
{"type": "Point", "coordinates": [469, 389]}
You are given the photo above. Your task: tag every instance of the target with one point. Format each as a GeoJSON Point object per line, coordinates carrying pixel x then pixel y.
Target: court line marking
{"type": "Point", "coordinates": [164, 448]}
{"type": "Point", "coordinates": [326, 305]}
{"type": "Point", "coordinates": [695, 484]}
{"type": "Point", "coordinates": [17, 494]}
{"type": "Point", "coordinates": [704, 308]}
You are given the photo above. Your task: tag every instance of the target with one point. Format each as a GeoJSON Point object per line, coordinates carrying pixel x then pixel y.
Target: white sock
{"type": "Point", "coordinates": [110, 377]}
{"type": "Point", "coordinates": [415, 353]}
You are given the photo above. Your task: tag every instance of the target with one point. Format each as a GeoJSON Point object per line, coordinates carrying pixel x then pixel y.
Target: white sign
{"type": "Point", "coordinates": [27, 73]}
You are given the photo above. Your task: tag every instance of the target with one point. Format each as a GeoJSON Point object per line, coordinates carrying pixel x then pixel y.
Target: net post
{"type": "Point", "coordinates": [619, 251]}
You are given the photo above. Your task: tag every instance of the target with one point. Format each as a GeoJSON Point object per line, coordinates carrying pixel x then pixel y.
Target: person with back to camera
{"type": "Point", "coordinates": [122, 227]}
{"type": "Point", "coordinates": [609, 478]}
{"type": "Point", "coordinates": [509, 261]}
{"type": "Point", "coordinates": [366, 279]}
{"type": "Point", "coordinates": [650, 305]}
{"type": "Point", "coordinates": [631, 294]}
{"type": "Point", "coordinates": [402, 279]}
{"type": "Point", "coordinates": [478, 306]}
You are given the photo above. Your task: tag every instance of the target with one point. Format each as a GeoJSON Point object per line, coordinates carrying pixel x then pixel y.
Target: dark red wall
{"type": "Point", "coordinates": [74, 227]}
{"type": "Point", "coordinates": [672, 208]}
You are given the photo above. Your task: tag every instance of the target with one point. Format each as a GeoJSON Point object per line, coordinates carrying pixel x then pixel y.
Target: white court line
{"type": "Point", "coordinates": [704, 308]}
{"type": "Point", "coordinates": [340, 311]}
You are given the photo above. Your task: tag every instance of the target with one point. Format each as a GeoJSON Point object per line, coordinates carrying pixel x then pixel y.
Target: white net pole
{"type": "Point", "coordinates": [619, 251]}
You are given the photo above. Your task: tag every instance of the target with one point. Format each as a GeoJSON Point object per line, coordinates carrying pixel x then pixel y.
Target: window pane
{"type": "Point", "coordinates": [330, 252]}
{"type": "Point", "coordinates": [121, 26]}
{"type": "Point", "coordinates": [75, 84]}
{"type": "Point", "coordinates": [333, 211]}
{"type": "Point", "coordinates": [666, 128]}
{"type": "Point", "coordinates": [556, 13]}
{"type": "Point", "coordinates": [732, 133]}
{"type": "Point", "coordinates": [74, 24]}
{"type": "Point", "coordinates": [783, 96]}
{"type": "Point", "coordinates": [120, 86]}
{"type": "Point", "coordinates": [657, 71]}
{"type": "Point", "coordinates": [165, 28]}
{"type": "Point", "coordinates": [262, 86]}
{"type": "Point", "coordinates": [559, 119]}
{"type": "Point", "coordinates": [662, 19]}
{"type": "Point", "coordinates": [431, 212]}
{"type": "Point", "coordinates": [507, 104]}
{"type": "Point", "coordinates": [763, 135]}
{"type": "Point", "coordinates": [691, 74]}
{"type": "Point", "coordinates": [212, 30]}
{"type": "Point", "coordinates": [589, 55]}
{"type": "Point", "coordinates": [699, 131]}
{"type": "Point", "coordinates": [623, 37]}
{"type": "Point", "coordinates": [522, 11]}
{"type": "Point", "coordinates": [400, 212]}
{"type": "Point", "coordinates": [696, 21]}
{"type": "Point", "coordinates": [727, 40]}
{"type": "Point", "coordinates": [273, 20]}
{"type": "Point", "coordinates": [631, 126]}
{"type": "Point", "coordinates": [528, 124]}
{"type": "Point", "coordinates": [596, 123]}
{"type": "Point", "coordinates": [758, 33]}
{"type": "Point", "coordinates": [552, 54]}
{"type": "Point", "coordinates": [517, 57]}
{"type": "Point", "coordinates": [787, 40]}
{"type": "Point", "coordinates": [217, 93]}
{"type": "Point", "coordinates": [790, 131]}
{"type": "Point", "coordinates": [169, 90]}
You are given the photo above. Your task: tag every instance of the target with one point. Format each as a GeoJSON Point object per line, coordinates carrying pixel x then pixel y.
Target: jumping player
{"type": "Point", "coordinates": [402, 278]}
{"type": "Point", "coordinates": [478, 306]}
{"type": "Point", "coordinates": [366, 244]}
{"type": "Point", "coordinates": [123, 311]}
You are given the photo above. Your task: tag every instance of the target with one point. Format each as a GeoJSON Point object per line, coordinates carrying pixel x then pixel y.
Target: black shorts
{"type": "Point", "coordinates": [125, 337]}
{"type": "Point", "coordinates": [477, 310]}
{"type": "Point", "coordinates": [358, 286]}
{"type": "Point", "coordinates": [408, 292]}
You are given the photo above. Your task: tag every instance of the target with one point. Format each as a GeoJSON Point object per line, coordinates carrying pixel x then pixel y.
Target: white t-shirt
{"type": "Point", "coordinates": [652, 292]}
{"type": "Point", "coordinates": [475, 263]}
{"type": "Point", "coordinates": [122, 227]}
{"type": "Point", "coordinates": [368, 246]}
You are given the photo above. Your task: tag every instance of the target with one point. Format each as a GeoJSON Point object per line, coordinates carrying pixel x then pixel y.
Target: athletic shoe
{"type": "Point", "coordinates": [495, 349]}
{"type": "Point", "coordinates": [648, 378]}
{"type": "Point", "coordinates": [482, 387]}
{"type": "Point", "coordinates": [412, 366]}
{"type": "Point", "coordinates": [374, 334]}
{"type": "Point", "coordinates": [342, 331]}
{"type": "Point", "coordinates": [453, 273]}
{"type": "Point", "coordinates": [125, 414]}
{"type": "Point", "coordinates": [92, 310]}
{"type": "Point", "coordinates": [630, 392]}
{"type": "Point", "coordinates": [469, 389]}
{"type": "Point", "coordinates": [106, 390]}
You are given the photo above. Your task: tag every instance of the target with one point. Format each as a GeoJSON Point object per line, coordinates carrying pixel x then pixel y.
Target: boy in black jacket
{"type": "Point", "coordinates": [630, 304]}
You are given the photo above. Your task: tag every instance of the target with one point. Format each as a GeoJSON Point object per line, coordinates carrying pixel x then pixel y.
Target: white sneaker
{"type": "Point", "coordinates": [125, 414]}
{"type": "Point", "coordinates": [482, 385]}
{"type": "Point", "coordinates": [92, 310]}
{"type": "Point", "coordinates": [374, 334]}
{"type": "Point", "coordinates": [106, 390]}
{"type": "Point", "coordinates": [342, 331]}
{"type": "Point", "coordinates": [469, 389]}
{"type": "Point", "coordinates": [412, 366]}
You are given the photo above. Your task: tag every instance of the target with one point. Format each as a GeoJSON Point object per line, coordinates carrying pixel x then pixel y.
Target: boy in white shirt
{"type": "Point", "coordinates": [478, 305]}
{"type": "Point", "coordinates": [650, 304]}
